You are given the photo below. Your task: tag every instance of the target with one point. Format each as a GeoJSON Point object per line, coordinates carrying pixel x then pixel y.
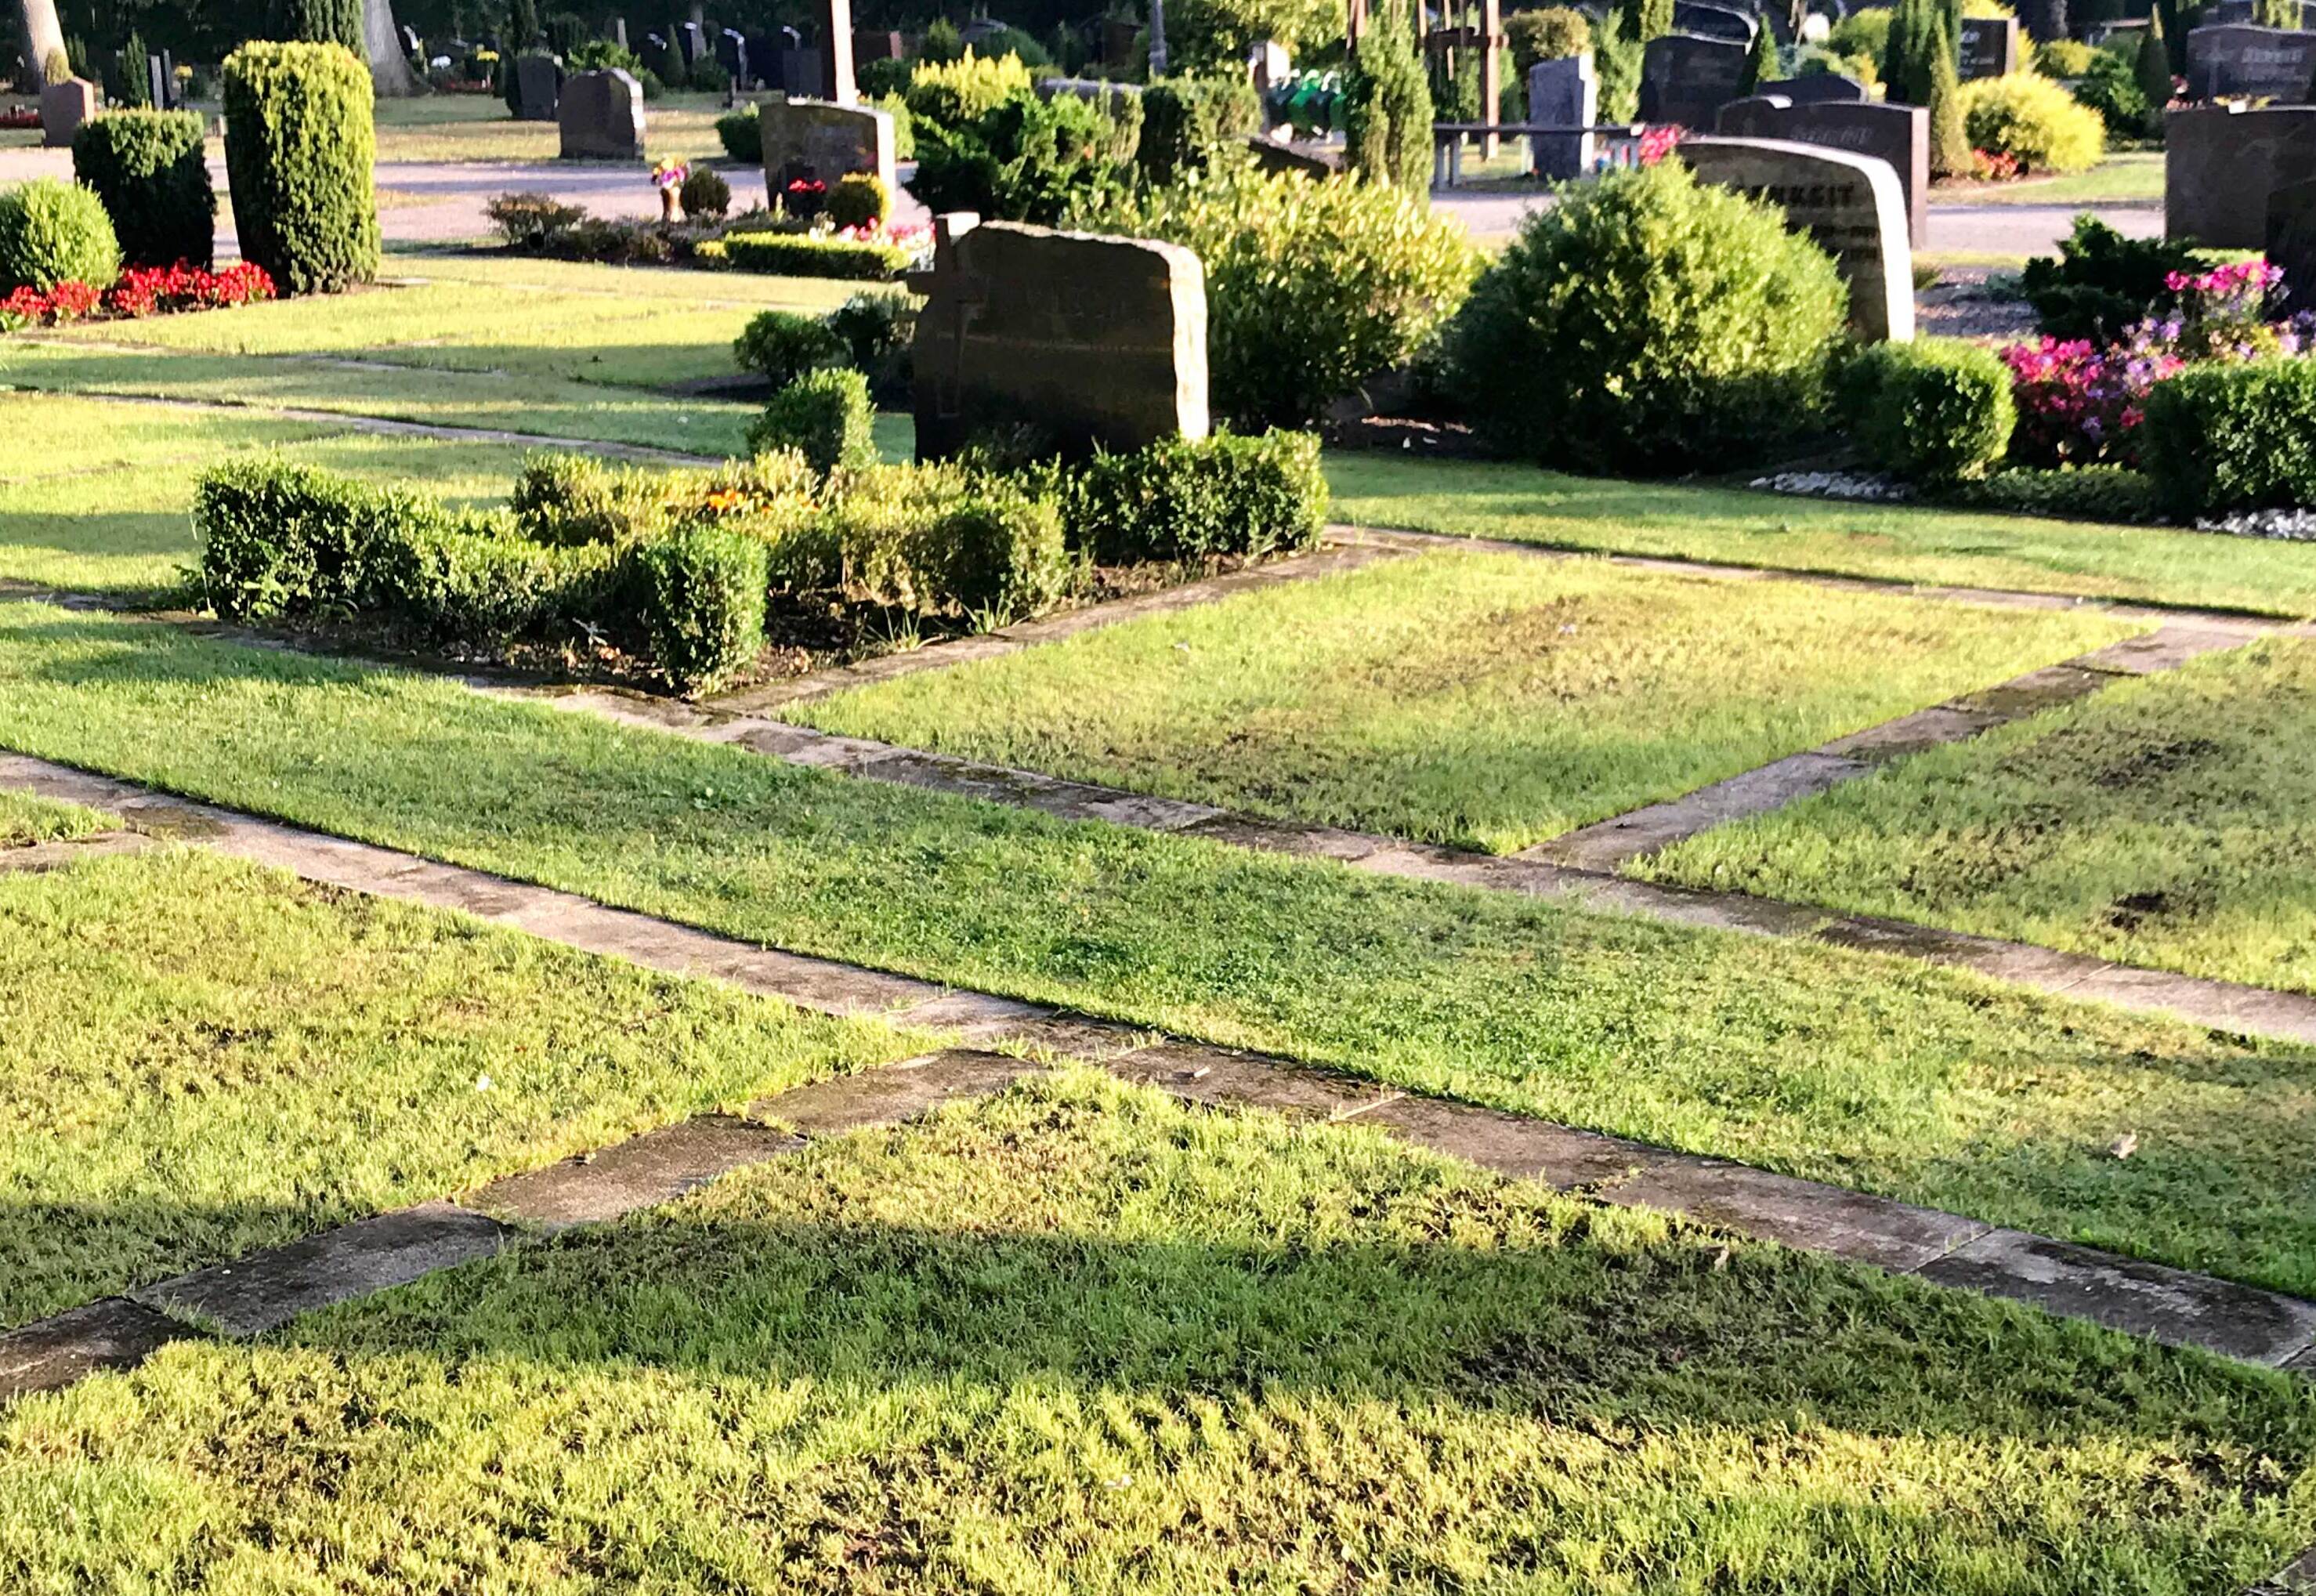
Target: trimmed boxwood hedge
{"type": "Point", "coordinates": [2229, 436]}
{"type": "Point", "coordinates": [149, 169]}
{"type": "Point", "coordinates": [299, 146]}
{"type": "Point", "coordinates": [53, 232]}
{"type": "Point", "coordinates": [800, 255]}
{"type": "Point", "coordinates": [1938, 410]}
{"type": "Point", "coordinates": [1185, 501]}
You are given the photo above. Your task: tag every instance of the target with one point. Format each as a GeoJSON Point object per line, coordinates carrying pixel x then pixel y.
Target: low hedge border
{"type": "Point", "coordinates": [801, 254]}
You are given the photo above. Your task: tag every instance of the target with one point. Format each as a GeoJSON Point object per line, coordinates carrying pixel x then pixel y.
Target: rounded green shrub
{"type": "Point", "coordinates": [320, 22]}
{"type": "Point", "coordinates": [785, 344]}
{"type": "Point", "coordinates": [2034, 119]}
{"type": "Point", "coordinates": [1187, 121]}
{"type": "Point", "coordinates": [1934, 411]}
{"type": "Point", "coordinates": [148, 168]}
{"type": "Point", "coordinates": [2228, 435]}
{"type": "Point", "coordinates": [823, 415]}
{"type": "Point", "coordinates": [1651, 324]}
{"type": "Point", "coordinates": [705, 192]}
{"type": "Point", "coordinates": [1548, 33]}
{"type": "Point", "coordinates": [859, 199]}
{"type": "Point", "coordinates": [299, 149]}
{"type": "Point", "coordinates": [742, 133]}
{"type": "Point", "coordinates": [53, 232]}
{"type": "Point", "coordinates": [699, 598]}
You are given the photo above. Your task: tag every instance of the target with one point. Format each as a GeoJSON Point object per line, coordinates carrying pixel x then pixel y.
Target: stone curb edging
{"type": "Point", "coordinates": [2168, 1304]}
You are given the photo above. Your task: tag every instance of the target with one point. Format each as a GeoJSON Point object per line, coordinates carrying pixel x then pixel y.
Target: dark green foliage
{"type": "Point", "coordinates": [876, 79]}
{"type": "Point", "coordinates": [465, 580]}
{"type": "Point", "coordinates": [878, 330]}
{"type": "Point", "coordinates": [1025, 159]}
{"type": "Point", "coordinates": [2102, 282]}
{"type": "Point", "coordinates": [2110, 85]}
{"type": "Point", "coordinates": [1387, 107]}
{"type": "Point", "coordinates": [942, 42]}
{"type": "Point", "coordinates": [2078, 492]}
{"type": "Point", "coordinates": [53, 232]}
{"type": "Point", "coordinates": [570, 499]}
{"type": "Point", "coordinates": [825, 416]}
{"type": "Point", "coordinates": [1013, 41]}
{"type": "Point", "coordinates": [707, 77]}
{"type": "Point", "coordinates": [285, 541]}
{"type": "Point", "coordinates": [533, 221]}
{"type": "Point", "coordinates": [1185, 120]}
{"type": "Point", "coordinates": [1188, 502]}
{"type": "Point", "coordinates": [859, 199]}
{"type": "Point", "coordinates": [800, 255]}
{"type": "Point", "coordinates": [1938, 410]}
{"type": "Point", "coordinates": [1616, 61]}
{"type": "Point", "coordinates": [1651, 324]}
{"type": "Point", "coordinates": [2153, 69]}
{"type": "Point", "coordinates": [1949, 135]}
{"type": "Point", "coordinates": [565, 31]}
{"type": "Point", "coordinates": [784, 344]}
{"type": "Point", "coordinates": [129, 89]}
{"type": "Point", "coordinates": [298, 150]}
{"type": "Point", "coordinates": [699, 603]}
{"type": "Point", "coordinates": [2230, 436]}
{"type": "Point", "coordinates": [1761, 65]}
{"type": "Point", "coordinates": [521, 30]}
{"type": "Point", "coordinates": [605, 55]}
{"type": "Point", "coordinates": [741, 134]}
{"type": "Point", "coordinates": [705, 192]}
{"type": "Point", "coordinates": [148, 168]}
{"type": "Point", "coordinates": [998, 554]}
{"type": "Point", "coordinates": [1548, 33]}
{"type": "Point", "coordinates": [1643, 20]}
{"type": "Point", "coordinates": [320, 22]}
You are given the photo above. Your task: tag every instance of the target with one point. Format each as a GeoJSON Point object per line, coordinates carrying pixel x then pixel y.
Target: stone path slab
{"type": "Point", "coordinates": [1605, 845]}
{"type": "Point", "coordinates": [38, 858]}
{"type": "Point", "coordinates": [111, 1332]}
{"type": "Point", "coordinates": [656, 1167]}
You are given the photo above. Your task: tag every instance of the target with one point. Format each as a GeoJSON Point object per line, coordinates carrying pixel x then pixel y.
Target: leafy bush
{"type": "Point", "coordinates": [1934, 411]}
{"type": "Point", "coordinates": [705, 192]}
{"type": "Point", "coordinates": [1549, 33]}
{"type": "Point", "coordinates": [1312, 288]}
{"type": "Point", "coordinates": [2108, 86]}
{"type": "Point", "coordinates": [606, 54]}
{"type": "Point", "coordinates": [824, 415]}
{"type": "Point", "coordinates": [1616, 59]}
{"type": "Point", "coordinates": [878, 330]}
{"type": "Point", "coordinates": [570, 499]}
{"type": "Point", "coordinates": [801, 254]}
{"type": "Point", "coordinates": [1013, 41]}
{"type": "Point", "coordinates": [2101, 282]}
{"type": "Point", "coordinates": [742, 133]}
{"type": "Point", "coordinates": [2079, 492]}
{"type": "Point", "coordinates": [1024, 159]}
{"type": "Point", "coordinates": [53, 232]}
{"type": "Point", "coordinates": [1387, 108]}
{"type": "Point", "coordinates": [298, 148]}
{"type": "Point", "coordinates": [1863, 33]}
{"type": "Point", "coordinates": [2065, 58]}
{"type": "Point", "coordinates": [1185, 120]}
{"type": "Point", "coordinates": [531, 221]}
{"type": "Point", "coordinates": [1184, 501]}
{"type": "Point", "coordinates": [960, 91]}
{"type": "Point", "coordinates": [466, 581]}
{"type": "Point", "coordinates": [146, 166]}
{"type": "Point", "coordinates": [2233, 436]}
{"type": "Point", "coordinates": [700, 601]}
{"type": "Point", "coordinates": [2033, 119]}
{"type": "Point", "coordinates": [1215, 35]}
{"type": "Point", "coordinates": [859, 199]}
{"type": "Point", "coordinates": [998, 554]}
{"type": "Point", "coordinates": [1651, 324]}
{"type": "Point", "coordinates": [784, 344]}
{"type": "Point", "coordinates": [707, 77]}
{"type": "Point", "coordinates": [279, 541]}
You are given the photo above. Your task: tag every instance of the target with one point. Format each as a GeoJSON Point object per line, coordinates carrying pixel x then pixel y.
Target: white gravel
{"type": "Point", "coordinates": [1835, 485]}
{"type": "Point", "coordinates": [2292, 526]}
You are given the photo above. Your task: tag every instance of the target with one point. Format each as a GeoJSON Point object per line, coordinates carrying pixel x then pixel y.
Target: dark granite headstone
{"type": "Point", "coordinates": [601, 118]}
{"type": "Point", "coordinates": [1817, 88]}
{"type": "Point", "coordinates": [1848, 202]}
{"type": "Point", "coordinates": [538, 83]}
{"type": "Point", "coordinates": [1990, 47]}
{"type": "Point", "coordinates": [2291, 244]}
{"type": "Point", "coordinates": [1686, 79]}
{"type": "Point", "coordinates": [732, 54]}
{"type": "Point", "coordinates": [1097, 341]}
{"type": "Point", "coordinates": [64, 106]}
{"type": "Point", "coordinates": [1898, 134]}
{"type": "Point", "coordinates": [877, 47]}
{"type": "Point", "coordinates": [691, 39]}
{"type": "Point", "coordinates": [2238, 60]}
{"type": "Point", "coordinates": [1714, 22]}
{"type": "Point", "coordinates": [1563, 93]}
{"type": "Point", "coordinates": [2221, 165]}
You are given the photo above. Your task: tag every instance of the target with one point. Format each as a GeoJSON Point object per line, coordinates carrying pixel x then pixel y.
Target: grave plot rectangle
{"type": "Point", "coordinates": [1989, 47]}
{"type": "Point", "coordinates": [1898, 134]}
{"type": "Point", "coordinates": [2237, 60]}
{"type": "Point", "coordinates": [601, 118]}
{"type": "Point", "coordinates": [1850, 203]}
{"type": "Point", "coordinates": [812, 139]}
{"type": "Point", "coordinates": [1686, 79]}
{"type": "Point", "coordinates": [1096, 341]}
{"type": "Point", "coordinates": [2221, 165]}
{"type": "Point", "coordinates": [1563, 93]}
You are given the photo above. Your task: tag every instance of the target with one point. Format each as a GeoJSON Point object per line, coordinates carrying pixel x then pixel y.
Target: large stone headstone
{"type": "Point", "coordinates": [2291, 245]}
{"type": "Point", "coordinates": [816, 140]}
{"type": "Point", "coordinates": [1848, 202]}
{"type": "Point", "coordinates": [1989, 47]}
{"type": "Point", "coordinates": [1816, 88]}
{"type": "Point", "coordinates": [2239, 60]}
{"type": "Point", "coordinates": [1898, 134]}
{"type": "Point", "coordinates": [1685, 79]}
{"type": "Point", "coordinates": [1098, 342]}
{"type": "Point", "coordinates": [1563, 93]}
{"type": "Point", "coordinates": [601, 118]}
{"type": "Point", "coordinates": [2220, 165]}
{"type": "Point", "coordinates": [1714, 22]}
{"type": "Point", "coordinates": [538, 87]}
{"type": "Point", "coordinates": [64, 106]}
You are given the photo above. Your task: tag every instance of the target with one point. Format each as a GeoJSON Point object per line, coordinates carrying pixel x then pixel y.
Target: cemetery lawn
{"type": "Point", "coordinates": [25, 820]}
{"type": "Point", "coordinates": [2126, 177]}
{"type": "Point", "coordinates": [479, 128]}
{"type": "Point", "coordinates": [206, 1058]}
{"type": "Point", "coordinates": [1732, 526]}
{"type": "Point", "coordinates": [1078, 1326]}
{"type": "Point", "coordinates": [2163, 822]}
{"type": "Point", "coordinates": [1870, 1071]}
{"type": "Point", "coordinates": [1485, 700]}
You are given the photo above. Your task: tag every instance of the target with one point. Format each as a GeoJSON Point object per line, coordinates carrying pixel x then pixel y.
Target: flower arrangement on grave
{"type": "Point", "coordinates": [668, 177]}
{"type": "Point", "coordinates": [1994, 166]}
{"type": "Point", "coordinates": [1658, 142]}
{"type": "Point", "coordinates": [141, 291]}
{"type": "Point", "coordinates": [804, 198]}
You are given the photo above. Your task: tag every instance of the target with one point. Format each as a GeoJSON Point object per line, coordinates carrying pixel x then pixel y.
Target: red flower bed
{"type": "Point", "coordinates": [17, 119]}
{"type": "Point", "coordinates": [142, 290]}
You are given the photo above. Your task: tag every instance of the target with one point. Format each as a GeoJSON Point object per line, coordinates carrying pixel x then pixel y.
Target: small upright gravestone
{"type": "Point", "coordinates": [1563, 93]}
{"type": "Point", "coordinates": [2291, 245]}
{"type": "Point", "coordinates": [538, 83]}
{"type": "Point", "coordinates": [1712, 21]}
{"type": "Point", "coordinates": [1898, 134]}
{"type": "Point", "coordinates": [64, 106]}
{"type": "Point", "coordinates": [1848, 202]}
{"type": "Point", "coordinates": [812, 139]}
{"type": "Point", "coordinates": [1817, 89]}
{"type": "Point", "coordinates": [1989, 47]}
{"type": "Point", "coordinates": [601, 118]}
{"type": "Point", "coordinates": [2221, 165]}
{"type": "Point", "coordinates": [2238, 60]}
{"type": "Point", "coordinates": [1098, 341]}
{"type": "Point", "coordinates": [1685, 79]}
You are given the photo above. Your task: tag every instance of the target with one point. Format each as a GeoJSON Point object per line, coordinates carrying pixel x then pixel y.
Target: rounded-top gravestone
{"type": "Point", "coordinates": [601, 117]}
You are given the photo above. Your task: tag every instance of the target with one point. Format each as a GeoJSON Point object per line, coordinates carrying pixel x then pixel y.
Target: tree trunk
{"type": "Point", "coordinates": [42, 35]}
{"type": "Point", "coordinates": [389, 69]}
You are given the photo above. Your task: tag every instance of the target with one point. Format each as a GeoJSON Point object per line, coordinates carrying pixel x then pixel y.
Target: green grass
{"type": "Point", "coordinates": [1730, 526]}
{"type": "Point", "coordinates": [104, 435]}
{"type": "Point", "coordinates": [205, 1058]}
{"type": "Point", "coordinates": [1485, 700]}
{"type": "Point", "coordinates": [1078, 1338]}
{"type": "Point", "coordinates": [2164, 822]}
{"type": "Point", "coordinates": [1870, 1071]}
{"type": "Point", "coordinates": [2126, 177]}
{"type": "Point", "coordinates": [478, 128]}
{"type": "Point", "coordinates": [25, 820]}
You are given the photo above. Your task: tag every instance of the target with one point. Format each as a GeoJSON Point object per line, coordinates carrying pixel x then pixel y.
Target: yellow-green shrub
{"type": "Point", "coordinates": [2032, 118]}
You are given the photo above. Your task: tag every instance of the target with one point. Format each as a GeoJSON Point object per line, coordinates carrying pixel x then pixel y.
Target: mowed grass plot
{"type": "Point", "coordinates": [1075, 1337]}
{"type": "Point", "coordinates": [204, 1059]}
{"type": "Point", "coordinates": [1893, 542]}
{"type": "Point", "coordinates": [2165, 822]}
{"type": "Point", "coordinates": [1870, 1071]}
{"type": "Point", "coordinates": [25, 820]}
{"type": "Point", "coordinates": [1485, 700]}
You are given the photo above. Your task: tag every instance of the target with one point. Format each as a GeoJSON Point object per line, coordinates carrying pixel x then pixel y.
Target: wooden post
{"type": "Point", "coordinates": [837, 81]}
{"type": "Point", "coordinates": [1491, 71]}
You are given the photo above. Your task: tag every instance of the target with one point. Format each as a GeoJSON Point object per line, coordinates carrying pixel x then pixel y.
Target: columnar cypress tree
{"type": "Point", "coordinates": [1387, 113]}
{"type": "Point", "coordinates": [321, 21]}
{"type": "Point", "coordinates": [2153, 69]}
{"type": "Point", "coordinates": [1643, 20]}
{"type": "Point", "coordinates": [1949, 139]}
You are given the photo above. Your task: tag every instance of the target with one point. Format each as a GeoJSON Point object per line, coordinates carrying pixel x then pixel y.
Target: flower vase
{"type": "Point", "coordinates": [670, 206]}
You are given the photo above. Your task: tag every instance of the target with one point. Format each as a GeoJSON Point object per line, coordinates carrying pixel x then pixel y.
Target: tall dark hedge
{"type": "Point", "coordinates": [146, 166]}
{"type": "Point", "coordinates": [321, 21]}
{"type": "Point", "coordinates": [299, 151]}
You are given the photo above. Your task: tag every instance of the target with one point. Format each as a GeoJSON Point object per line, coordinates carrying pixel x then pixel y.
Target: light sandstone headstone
{"type": "Point", "coordinates": [1898, 134]}
{"type": "Point", "coordinates": [1989, 47]}
{"type": "Point", "coordinates": [601, 117]}
{"type": "Point", "coordinates": [2238, 60]}
{"type": "Point", "coordinates": [2221, 164]}
{"type": "Point", "coordinates": [1849, 203]}
{"type": "Point", "coordinates": [64, 106]}
{"type": "Point", "coordinates": [1563, 93]}
{"type": "Point", "coordinates": [1686, 79]}
{"type": "Point", "coordinates": [817, 139]}
{"type": "Point", "coordinates": [1094, 341]}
